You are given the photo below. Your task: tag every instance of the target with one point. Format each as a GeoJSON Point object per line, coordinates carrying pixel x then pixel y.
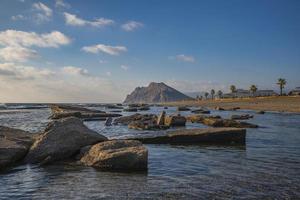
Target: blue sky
{"type": "Point", "coordinates": [190, 45]}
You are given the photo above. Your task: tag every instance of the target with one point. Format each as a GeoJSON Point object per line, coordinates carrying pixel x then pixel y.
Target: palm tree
{"type": "Point", "coordinates": [220, 93]}
{"type": "Point", "coordinates": [212, 92]}
{"type": "Point", "coordinates": [281, 82]}
{"type": "Point", "coordinates": [253, 89]}
{"type": "Point", "coordinates": [233, 89]}
{"type": "Point", "coordinates": [206, 94]}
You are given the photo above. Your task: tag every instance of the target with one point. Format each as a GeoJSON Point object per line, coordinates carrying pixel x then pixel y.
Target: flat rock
{"type": "Point", "coordinates": [200, 111]}
{"type": "Point", "coordinates": [117, 155]}
{"type": "Point", "coordinates": [241, 117]}
{"type": "Point", "coordinates": [61, 140]}
{"type": "Point", "coordinates": [14, 145]}
{"type": "Point", "coordinates": [183, 108]}
{"type": "Point", "coordinates": [200, 118]}
{"type": "Point", "coordinates": [229, 136]}
{"type": "Point", "coordinates": [227, 123]}
{"type": "Point", "coordinates": [125, 120]}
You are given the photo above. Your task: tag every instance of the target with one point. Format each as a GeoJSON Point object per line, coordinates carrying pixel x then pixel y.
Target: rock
{"type": "Point", "coordinates": [227, 123]}
{"type": "Point", "coordinates": [108, 121]}
{"type": "Point", "coordinates": [61, 140]}
{"type": "Point", "coordinates": [175, 120]}
{"type": "Point", "coordinates": [60, 115]}
{"type": "Point", "coordinates": [117, 155]}
{"type": "Point", "coordinates": [234, 108]}
{"type": "Point", "coordinates": [241, 117]}
{"type": "Point", "coordinates": [260, 112]}
{"type": "Point", "coordinates": [200, 118]}
{"type": "Point", "coordinates": [219, 108]}
{"type": "Point", "coordinates": [165, 107]}
{"type": "Point", "coordinates": [201, 111]}
{"type": "Point", "coordinates": [183, 108]}
{"type": "Point", "coordinates": [14, 145]}
{"type": "Point", "coordinates": [142, 125]}
{"type": "Point", "coordinates": [161, 118]}
{"type": "Point", "coordinates": [143, 108]}
{"type": "Point", "coordinates": [112, 106]}
{"type": "Point", "coordinates": [135, 117]}
{"type": "Point", "coordinates": [225, 136]}
{"type": "Point", "coordinates": [130, 110]}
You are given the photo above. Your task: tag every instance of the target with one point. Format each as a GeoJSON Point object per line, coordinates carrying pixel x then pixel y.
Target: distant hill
{"type": "Point", "coordinates": [155, 93]}
{"type": "Point", "coordinates": [195, 94]}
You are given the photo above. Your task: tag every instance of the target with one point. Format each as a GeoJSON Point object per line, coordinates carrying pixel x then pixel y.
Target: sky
{"type": "Point", "coordinates": [100, 50]}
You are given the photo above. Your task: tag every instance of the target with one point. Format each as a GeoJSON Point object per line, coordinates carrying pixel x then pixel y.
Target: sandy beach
{"type": "Point", "coordinates": [279, 104]}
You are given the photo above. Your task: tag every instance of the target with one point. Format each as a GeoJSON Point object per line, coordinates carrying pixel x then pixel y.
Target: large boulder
{"type": "Point", "coordinates": [225, 136]}
{"type": "Point", "coordinates": [227, 123]}
{"type": "Point", "coordinates": [117, 155]}
{"type": "Point", "coordinates": [135, 117]}
{"type": "Point", "coordinates": [14, 145]}
{"type": "Point", "coordinates": [62, 139]}
{"type": "Point", "coordinates": [175, 120]}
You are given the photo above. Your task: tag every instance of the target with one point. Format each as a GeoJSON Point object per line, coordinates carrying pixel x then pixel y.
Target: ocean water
{"type": "Point", "coordinates": [268, 167]}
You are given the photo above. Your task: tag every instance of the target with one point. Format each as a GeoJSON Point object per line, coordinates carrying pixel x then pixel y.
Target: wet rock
{"type": "Point", "coordinates": [146, 125]}
{"type": "Point", "coordinates": [161, 118]}
{"type": "Point", "coordinates": [125, 120]}
{"type": "Point", "coordinates": [183, 108]}
{"type": "Point", "coordinates": [117, 155]}
{"type": "Point", "coordinates": [200, 118]}
{"type": "Point", "coordinates": [234, 108]}
{"type": "Point", "coordinates": [219, 108]}
{"type": "Point", "coordinates": [225, 136]}
{"type": "Point", "coordinates": [175, 120]}
{"type": "Point", "coordinates": [143, 108]}
{"type": "Point", "coordinates": [260, 112]}
{"type": "Point", "coordinates": [112, 106]}
{"type": "Point", "coordinates": [14, 145]}
{"type": "Point", "coordinates": [130, 110]}
{"type": "Point", "coordinates": [60, 115]}
{"type": "Point", "coordinates": [201, 111]}
{"type": "Point", "coordinates": [227, 123]}
{"type": "Point", "coordinates": [165, 107]}
{"type": "Point", "coordinates": [241, 117]}
{"type": "Point", "coordinates": [62, 139]}
{"type": "Point", "coordinates": [108, 121]}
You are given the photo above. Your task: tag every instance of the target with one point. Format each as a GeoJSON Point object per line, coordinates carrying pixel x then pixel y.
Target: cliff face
{"type": "Point", "coordinates": [155, 93]}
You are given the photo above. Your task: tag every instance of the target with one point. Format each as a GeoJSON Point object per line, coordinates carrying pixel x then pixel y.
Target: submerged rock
{"type": "Point", "coordinates": [62, 139]}
{"type": "Point", "coordinates": [108, 122]}
{"type": "Point", "coordinates": [225, 136]}
{"type": "Point", "coordinates": [200, 111]}
{"type": "Point", "coordinates": [14, 145]}
{"type": "Point", "coordinates": [175, 120]}
{"type": "Point", "coordinates": [117, 155]}
{"type": "Point", "coordinates": [183, 108]}
{"type": "Point", "coordinates": [241, 117]}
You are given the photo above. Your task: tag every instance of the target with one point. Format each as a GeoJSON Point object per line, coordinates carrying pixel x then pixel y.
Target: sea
{"type": "Point", "coordinates": [267, 167]}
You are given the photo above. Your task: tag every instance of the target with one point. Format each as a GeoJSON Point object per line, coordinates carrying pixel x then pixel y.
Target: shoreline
{"type": "Point", "coordinates": [283, 104]}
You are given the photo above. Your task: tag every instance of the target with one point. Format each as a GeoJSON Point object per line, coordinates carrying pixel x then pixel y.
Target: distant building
{"type": "Point", "coordinates": [296, 91]}
{"type": "Point", "coordinates": [240, 93]}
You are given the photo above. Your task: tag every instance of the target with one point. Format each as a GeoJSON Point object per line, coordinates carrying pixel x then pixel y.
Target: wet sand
{"type": "Point", "coordinates": [279, 104]}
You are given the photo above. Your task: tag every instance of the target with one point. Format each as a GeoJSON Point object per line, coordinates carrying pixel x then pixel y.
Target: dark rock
{"type": "Point", "coordinates": [200, 111]}
{"type": "Point", "coordinates": [165, 107]}
{"type": "Point", "coordinates": [14, 145]}
{"type": "Point", "coordinates": [62, 139]}
{"type": "Point", "coordinates": [241, 117]}
{"type": "Point", "coordinates": [175, 120]}
{"type": "Point", "coordinates": [260, 112]}
{"type": "Point", "coordinates": [130, 110]}
{"type": "Point", "coordinates": [117, 155]}
{"type": "Point", "coordinates": [228, 136]}
{"type": "Point", "coordinates": [183, 108]}
{"type": "Point", "coordinates": [108, 122]}
{"type": "Point", "coordinates": [200, 118]}
{"type": "Point", "coordinates": [219, 108]}
{"type": "Point", "coordinates": [125, 120]}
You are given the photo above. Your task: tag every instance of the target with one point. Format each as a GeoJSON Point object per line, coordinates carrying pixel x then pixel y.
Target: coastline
{"type": "Point", "coordinates": [278, 104]}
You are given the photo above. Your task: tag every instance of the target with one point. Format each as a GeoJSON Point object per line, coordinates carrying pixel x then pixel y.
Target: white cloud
{"type": "Point", "coordinates": [27, 39]}
{"type": "Point", "coordinates": [73, 20]}
{"type": "Point", "coordinates": [124, 67]}
{"type": "Point", "coordinates": [185, 58]}
{"type": "Point", "coordinates": [21, 72]}
{"type": "Point", "coordinates": [45, 85]}
{"type": "Point", "coordinates": [61, 4]}
{"type": "Point", "coordinates": [111, 50]}
{"type": "Point", "coordinates": [71, 70]}
{"type": "Point", "coordinates": [17, 54]}
{"type": "Point", "coordinates": [108, 73]}
{"type": "Point", "coordinates": [44, 13]}
{"type": "Point", "coordinates": [18, 17]}
{"type": "Point", "coordinates": [131, 26]}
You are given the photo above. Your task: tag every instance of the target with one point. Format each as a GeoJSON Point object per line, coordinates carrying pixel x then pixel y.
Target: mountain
{"type": "Point", "coordinates": [194, 94]}
{"type": "Point", "coordinates": [155, 93]}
